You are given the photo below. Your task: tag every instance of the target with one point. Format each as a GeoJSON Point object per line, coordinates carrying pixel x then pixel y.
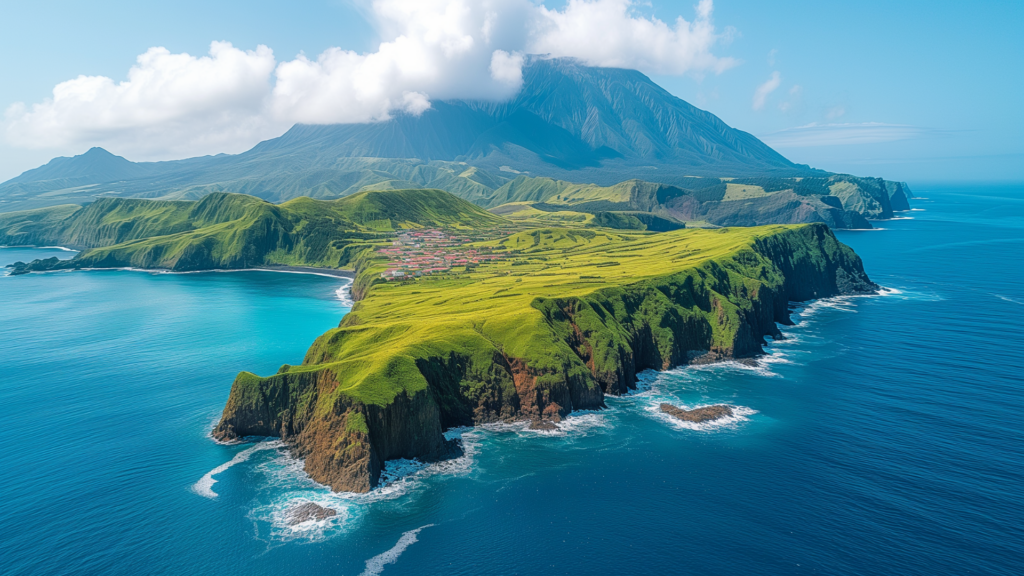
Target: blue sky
{"type": "Point", "coordinates": [920, 91]}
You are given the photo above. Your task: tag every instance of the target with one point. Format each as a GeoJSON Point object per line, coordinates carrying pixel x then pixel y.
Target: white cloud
{"type": "Point", "coordinates": [507, 68]}
{"type": "Point", "coordinates": [835, 113]}
{"type": "Point", "coordinates": [437, 49]}
{"type": "Point", "coordinates": [838, 134]}
{"type": "Point", "coordinates": [606, 33]}
{"type": "Point", "coordinates": [180, 102]}
{"type": "Point", "coordinates": [762, 92]}
{"type": "Point", "coordinates": [771, 56]}
{"type": "Point", "coordinates": [174, 105]}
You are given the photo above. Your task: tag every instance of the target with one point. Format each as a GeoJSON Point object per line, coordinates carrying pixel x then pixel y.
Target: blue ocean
{"type": "Point", "coordinates": [885, 435]}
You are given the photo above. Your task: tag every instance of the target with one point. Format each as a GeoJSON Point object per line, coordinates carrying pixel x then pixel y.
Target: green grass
{"type": "Point", "coordinates": [237, 231]}
{"type": "Point", "coordinates": [742, 192]}
{"type": "Point", "coordinates": [613, 281]}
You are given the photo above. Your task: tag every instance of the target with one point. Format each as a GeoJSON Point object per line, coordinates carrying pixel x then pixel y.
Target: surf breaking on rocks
{"type": "Point", "coordinates": [204, 487]}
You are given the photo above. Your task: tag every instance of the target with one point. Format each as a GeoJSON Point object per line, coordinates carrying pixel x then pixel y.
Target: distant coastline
{"type": "Point", "coordinates": [329, 272]}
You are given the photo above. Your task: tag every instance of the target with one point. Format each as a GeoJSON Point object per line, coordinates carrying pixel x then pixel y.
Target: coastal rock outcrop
{"type": "Point", "coordinates": [308, 511]}
{"type": "Point", "coordinates": [698, 415]}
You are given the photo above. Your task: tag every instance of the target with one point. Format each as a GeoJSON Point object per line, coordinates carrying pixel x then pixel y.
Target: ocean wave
{"type": "Point", "coordinates": [807, 310]}
{"type": "Point", "coordinates": [375, 565]}
{"type": "Point", "coordinates": [344, 293]}
{"type": "Point", "coordinates": [907, 294]}
{"type": "Point", "coordinates": [645, 382]}
{"type": "Point", "coordinates": [774, 356]}
{"type": "Point", "coordinates": [204, 487]}
{"type": "Point", "coordinates": [1008, 299]}
{"type": "Point", "coordinates": [760, 367]}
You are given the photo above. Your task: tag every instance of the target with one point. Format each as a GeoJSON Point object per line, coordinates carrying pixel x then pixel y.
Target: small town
{"type": "Point", "coordinates": [426, 252]}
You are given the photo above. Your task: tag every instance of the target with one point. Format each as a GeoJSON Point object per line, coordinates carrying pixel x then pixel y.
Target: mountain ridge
{"type": "Point", "coordinates": [230, 231]}
{"type": "Point", "coordinates": [569, 121]}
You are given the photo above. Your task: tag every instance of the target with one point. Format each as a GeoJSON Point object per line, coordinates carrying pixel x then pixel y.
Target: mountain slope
{"type": "Point", "coordinates": [569, 121]}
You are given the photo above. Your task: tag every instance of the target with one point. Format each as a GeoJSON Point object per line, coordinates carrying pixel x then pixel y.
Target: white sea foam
{"type": "Point", "coordinates": [774, 356]}
{"type": "Point", "coordinates": [577, 423]}
{"type": "Point", "coordinates": [902, 218]}
{"type": "Point", "coordinates": [312, 529]}
{"type": "Point", "coordinates": [645, 382]}
{"type": "Point", "coordinates": [286, 485]}
{"type": "Point", "coordinates": [761, 368]}
{"type": "Point", "coordinates": [204, 487]}
{"type": "Point", "coordinates": [344, 293]}
{"type": "Point", "coordinates": [375, 565]}
{"type": "Point", "coordinates": [838, 303]}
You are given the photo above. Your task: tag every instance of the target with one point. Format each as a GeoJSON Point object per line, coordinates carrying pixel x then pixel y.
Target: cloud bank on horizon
{"type": "Point", "coordinates": [834, 134]}
{"type": "Point", "coordinates": [183, 105]}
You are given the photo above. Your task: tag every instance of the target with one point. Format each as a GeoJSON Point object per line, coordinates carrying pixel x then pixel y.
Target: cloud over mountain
{"type": "Point", "coordinates": [763, 90]}
{"type": "Point", "coordinates": [174, 105]}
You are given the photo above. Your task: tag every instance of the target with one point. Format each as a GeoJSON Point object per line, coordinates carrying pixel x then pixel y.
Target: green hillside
{"type": "Point", "coordinates": [235, 230]}
{"type": "Point", "coordinates": [841, 201]}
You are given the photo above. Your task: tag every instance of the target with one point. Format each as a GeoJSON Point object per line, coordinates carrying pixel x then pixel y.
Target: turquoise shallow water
{"type": "Point", "coordinates": [884, 436]}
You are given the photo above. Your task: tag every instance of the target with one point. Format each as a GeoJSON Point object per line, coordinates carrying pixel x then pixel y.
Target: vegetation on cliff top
{"type": "Point", "coordinates": [498, 302]}
{"type": "Point", "coordinates": [569, 315]}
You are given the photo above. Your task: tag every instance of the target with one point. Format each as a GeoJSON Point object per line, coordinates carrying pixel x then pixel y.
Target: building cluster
{"type": "Point", "coordinates": [426, 252]}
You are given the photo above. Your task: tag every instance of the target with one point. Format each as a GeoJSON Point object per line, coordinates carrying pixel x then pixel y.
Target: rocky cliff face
{"type": "Point", "coordinates": [591, 345]}
{"type": "Point", "coordinates": [899, 195]}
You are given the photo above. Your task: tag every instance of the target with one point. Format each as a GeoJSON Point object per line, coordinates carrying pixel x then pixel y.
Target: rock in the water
{"type": "Point", "coordinates": [543, 425]}
{"type": "Point", "coordinates": [308, 511]}
{"type": "Point", "coordinates": [698, 415]}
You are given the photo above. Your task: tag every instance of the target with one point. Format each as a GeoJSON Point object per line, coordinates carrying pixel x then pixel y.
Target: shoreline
{"type": "Point", "coordinates": [332, 272]}
{"type": "Point", "coordinates": [328, 272]}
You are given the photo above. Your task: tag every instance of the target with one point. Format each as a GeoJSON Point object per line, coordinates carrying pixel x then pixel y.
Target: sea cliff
{"type": "Point", "coordinates": [566, 319]}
